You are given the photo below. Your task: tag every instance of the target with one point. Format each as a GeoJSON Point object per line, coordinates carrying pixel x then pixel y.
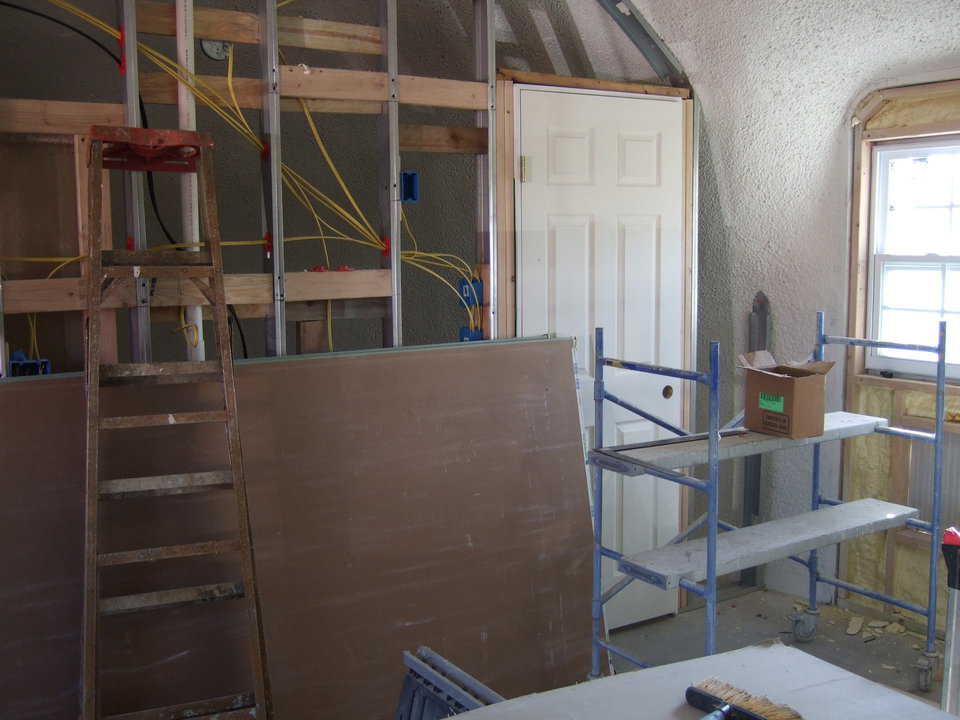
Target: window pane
{"type": "Point", "coordinates": [913, 328]}
{"type": "Point", "coordinates": [917, 231]}
{"type": "Point", "coordinates": [951, 298]}
{"type": "Point", "coordinates": [953, 339]}
{"type": "Point", "coordinates": [911, 287]}
{"type": "Point", "coordinates": [920, 214]}
{"type": "Point", "coordinates": [921, 179]}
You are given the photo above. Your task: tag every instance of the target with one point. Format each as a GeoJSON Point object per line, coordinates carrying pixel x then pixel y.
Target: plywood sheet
{"type": "Point", "coordinates": [437, 497]}
{"type": "Point", "coordinates": [426, 496]}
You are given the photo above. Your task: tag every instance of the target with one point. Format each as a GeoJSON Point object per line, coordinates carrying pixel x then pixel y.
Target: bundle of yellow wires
{"type": "Point", "coordinates": [360, 229]}
{"type": "Point", "coordinates": [33, 350]}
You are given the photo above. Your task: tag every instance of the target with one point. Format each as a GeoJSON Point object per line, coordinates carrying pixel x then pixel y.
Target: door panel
{"type": "Point", "coordinates": [600, 244]}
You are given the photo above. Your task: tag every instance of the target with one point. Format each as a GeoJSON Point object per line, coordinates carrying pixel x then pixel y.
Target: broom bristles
{"type": "Point", "coordinates": [762, 706]}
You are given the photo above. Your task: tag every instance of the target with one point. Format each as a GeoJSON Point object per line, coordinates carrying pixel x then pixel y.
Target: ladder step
{"type": "Point", "coordinates": [170, 598]}
{"type": "Point", "coordinates": [128, 557]}
{"type": "Point", "coordinates": [181, 484]}
{"type": "Point", "coordinates": [152, 257]}
{"type": "Point", "coordinates": [168, 373]}
{"type": "Point", "coordinates": [160, 271]}
{"type": "Point", "coordinates": [227, 707]}
{"type": "Point", "coordinates": [179, 418]}
{"type": "Point", "coordinates": [759, 544]}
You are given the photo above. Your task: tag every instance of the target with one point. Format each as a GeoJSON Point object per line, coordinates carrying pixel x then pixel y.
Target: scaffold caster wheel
{"type": "Point", "coordinates": [925, 667]}
{"type": "Point", "coordinates": [805, 626]}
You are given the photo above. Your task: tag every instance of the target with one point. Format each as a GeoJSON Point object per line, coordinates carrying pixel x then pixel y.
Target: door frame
{"type": "Point", "coordinates": [509, 83]}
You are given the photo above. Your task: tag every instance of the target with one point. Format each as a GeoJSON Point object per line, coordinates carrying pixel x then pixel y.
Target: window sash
{"type": "Point", "coordinates": [881, 178]}
{"type": "Point", "coordinates": [874, 357]}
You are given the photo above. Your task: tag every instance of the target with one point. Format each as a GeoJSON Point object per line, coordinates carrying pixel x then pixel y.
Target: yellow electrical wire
{"type": "Point", "coordinates": [333, 168]}
{"type": "Point", "coordinates": [421, 259]}
{"type": "Point", "coordinates": [447, 283]}
{"type": "Point", "coordinates": [233, 95]}
{"type": "Point", "coordinates": [32, 318]}
{"type": "Point", "coordinates": [406, 224]}
{"type": "Point", "coordinates": [185, 326]}
{"type": "Point", "coordinates": [21, 258]}
{"type": "Point", "coordinates": [210, 97]}
{"type": "Point", "coordinates": [301, 188]}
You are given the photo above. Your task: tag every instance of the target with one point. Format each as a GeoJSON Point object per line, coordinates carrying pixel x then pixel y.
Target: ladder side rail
{"type": "Point", "coordinates": [713, 498]}
{"type": "Point", "coordinates": [211, 227]}
{"type": "Point", "coordinates": [711, 381]}
{"type": "Point", "coordinates": [940, 413]}
{"type": "Point", "coordinates": [813, 561]}
{"type": "Point", "coordinates": [91, 700]}
{"type": "Point", "coordinates": [596, 608]}
{"type": "Point", "coordinates": [936, 439]}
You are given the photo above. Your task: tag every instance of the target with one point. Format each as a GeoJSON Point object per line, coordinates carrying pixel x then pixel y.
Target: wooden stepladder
{"type": "Point", "coordinates": [137, 149]}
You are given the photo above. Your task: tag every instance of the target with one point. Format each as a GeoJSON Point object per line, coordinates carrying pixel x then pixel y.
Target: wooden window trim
{"type": "Point", "coordinates": [868, 131]}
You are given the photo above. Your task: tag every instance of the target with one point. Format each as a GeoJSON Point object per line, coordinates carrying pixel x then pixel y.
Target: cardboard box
{"type": "Point", "coordinates": [784, 399]}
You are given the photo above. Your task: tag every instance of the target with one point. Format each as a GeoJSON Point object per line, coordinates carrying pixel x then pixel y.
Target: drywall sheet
{"type": "Point", "coordinates": [425, 496]}
{"type": "Point", "coordinates": [814, 688]}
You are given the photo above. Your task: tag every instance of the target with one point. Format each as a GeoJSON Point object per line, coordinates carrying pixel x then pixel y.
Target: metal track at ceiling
{"type": "Point", "coordinates": [641, 34]}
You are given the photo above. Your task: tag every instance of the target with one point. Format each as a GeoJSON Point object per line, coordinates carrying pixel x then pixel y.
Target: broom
{"type": "Point", "coordinates": [724, 701]}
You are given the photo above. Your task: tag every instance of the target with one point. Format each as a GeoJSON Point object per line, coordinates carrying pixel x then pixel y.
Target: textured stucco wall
{"type": "Point", "coordinates": [777, 82]}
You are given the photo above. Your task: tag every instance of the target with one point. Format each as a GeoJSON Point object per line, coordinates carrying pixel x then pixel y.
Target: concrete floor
{"type": "Point", "coordinates": [762, 615]}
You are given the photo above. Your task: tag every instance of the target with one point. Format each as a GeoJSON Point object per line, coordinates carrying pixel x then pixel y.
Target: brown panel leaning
{"type": "Point", "coordinates": [391, 506]}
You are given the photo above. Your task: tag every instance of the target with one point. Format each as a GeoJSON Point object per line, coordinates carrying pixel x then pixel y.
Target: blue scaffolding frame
{"type": "Point", "coordinates": [804, 624]}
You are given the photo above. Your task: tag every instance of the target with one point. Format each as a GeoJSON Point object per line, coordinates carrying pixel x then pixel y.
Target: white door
{"type": "Point", "coordinates": [600, 244]}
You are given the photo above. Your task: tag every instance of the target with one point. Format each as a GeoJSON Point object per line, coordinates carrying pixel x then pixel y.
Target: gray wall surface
{"type": "Point", "coordinates": [777, 82]}
{"type": "Point", "coordinates": [435, 36]}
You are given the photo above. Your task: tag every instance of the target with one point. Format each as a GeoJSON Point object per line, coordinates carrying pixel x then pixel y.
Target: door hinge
{"type": "Point", "coordinates": [524, 168]}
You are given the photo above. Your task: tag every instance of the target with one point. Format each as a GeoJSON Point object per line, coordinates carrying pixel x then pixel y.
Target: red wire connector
{"type": "Point", "coordinates": [130, 243]}
{"type": "Point", "coordinates": [324, 268]}
{"type": "Point", "coordinates": [386, 247]}
{"type": "Point", "coordinates": [268, 244]}
{"type": "Point", "coordinates": [265, 151]}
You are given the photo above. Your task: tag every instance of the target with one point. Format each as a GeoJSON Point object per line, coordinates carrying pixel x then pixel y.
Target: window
{"type": "Point", "coordinates": [915, 244]}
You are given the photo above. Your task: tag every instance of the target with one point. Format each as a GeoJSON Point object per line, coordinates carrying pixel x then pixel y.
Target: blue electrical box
{"type": "Point", "coordinates": [471, 292]}
{"type": "Point", "coordinates": [21, 366]}
{"type": "Point", "coordinates": [468, 335]}
{"type": "Point", "coordinates": [409, 186]}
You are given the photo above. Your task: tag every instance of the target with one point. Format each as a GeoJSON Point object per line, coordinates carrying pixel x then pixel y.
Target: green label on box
{"type": "Point", "coordinates": [772, 402]}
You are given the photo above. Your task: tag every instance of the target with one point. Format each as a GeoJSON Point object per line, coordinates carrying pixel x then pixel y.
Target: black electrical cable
{"type": "Point", "coordinates": [77, 30]}
{"type": "Point", "coordinates": [151, 189]}
{"type": "Point", "coordinates": [152, 193]}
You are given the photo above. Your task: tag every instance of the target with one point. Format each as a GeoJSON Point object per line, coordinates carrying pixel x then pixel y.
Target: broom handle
{"type": "Point", "coordinates": [718, 714]}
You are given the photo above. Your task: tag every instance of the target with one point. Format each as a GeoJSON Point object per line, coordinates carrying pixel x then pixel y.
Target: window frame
{"type": "Point", "coordinates": [880, 152]}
